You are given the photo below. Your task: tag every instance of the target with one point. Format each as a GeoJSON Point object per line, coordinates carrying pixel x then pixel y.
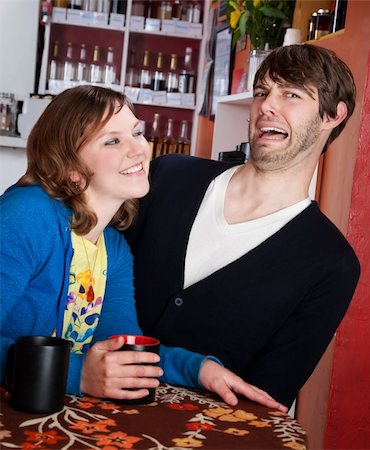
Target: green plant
{"type": "Point", "coordinates": [264, 21]}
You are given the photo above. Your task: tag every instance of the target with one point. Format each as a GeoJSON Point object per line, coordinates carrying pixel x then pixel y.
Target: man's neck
{"type": "Point", "coordinates": [252, 194]}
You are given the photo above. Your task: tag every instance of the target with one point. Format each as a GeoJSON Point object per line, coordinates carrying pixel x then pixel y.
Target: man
{"type": "Point", "coordinates": [237, 261]}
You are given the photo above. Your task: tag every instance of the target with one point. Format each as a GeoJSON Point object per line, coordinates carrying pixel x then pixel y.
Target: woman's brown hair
{"type": "Point", "coordinates": [308, 65]}
{"type": "Point", "coordinates": [69, 122]}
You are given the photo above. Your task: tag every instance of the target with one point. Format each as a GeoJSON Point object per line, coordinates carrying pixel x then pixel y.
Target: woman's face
{"type": "Point", "coordinates": [118, 156]}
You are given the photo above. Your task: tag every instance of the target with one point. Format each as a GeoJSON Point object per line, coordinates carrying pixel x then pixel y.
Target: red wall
{"type": "Point", "coordinates": [348, 420]}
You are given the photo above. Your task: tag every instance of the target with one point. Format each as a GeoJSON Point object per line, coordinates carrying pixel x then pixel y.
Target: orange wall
{"type": "Point", "coordinates": [333, 405]}
{"type": "Point", "coordinates": [348, 422]}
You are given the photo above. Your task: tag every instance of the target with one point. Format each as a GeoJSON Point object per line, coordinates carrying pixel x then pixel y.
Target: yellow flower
{"type": "Point", "coordinates": [295, 445]}
{"type": "Point", "coordinates": [188, 442]}
{"type": "Point", "coordinates": [217, 412]}
{"type": "Point", "coordinates": [234, 18]}
{"type": "Point", "coordinates": [237, 432]}
{"type": "Point", "coordinates": [256, 3]}
{"type": "Point", "coordinates": [259, 424]}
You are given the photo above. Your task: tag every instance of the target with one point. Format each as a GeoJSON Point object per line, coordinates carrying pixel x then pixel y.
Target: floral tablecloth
{"type": "Point", "coordinates": [178, 419]}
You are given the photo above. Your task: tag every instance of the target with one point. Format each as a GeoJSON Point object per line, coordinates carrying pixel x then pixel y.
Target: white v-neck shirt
{"type": "Point", "coordinates": [214, 243]}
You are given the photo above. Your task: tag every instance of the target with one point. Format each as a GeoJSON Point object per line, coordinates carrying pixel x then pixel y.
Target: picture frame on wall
{"type": "Point", "coordinates": [222, 7]}
{"type": "Point", "coordinates": [222, 65]}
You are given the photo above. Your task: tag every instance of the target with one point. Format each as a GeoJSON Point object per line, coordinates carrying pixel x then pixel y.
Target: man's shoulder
{"type": "Point", "coordinates": [324, 236]}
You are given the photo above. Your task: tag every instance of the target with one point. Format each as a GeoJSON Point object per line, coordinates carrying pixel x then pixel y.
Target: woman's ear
{"type": "Point", "coordinates": [342, 112]}
{"type": "Point", "coordinates": [74, 176]}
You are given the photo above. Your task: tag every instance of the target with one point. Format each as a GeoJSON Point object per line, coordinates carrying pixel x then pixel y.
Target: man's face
{"type": "Point", "coordinates": [285, 125]}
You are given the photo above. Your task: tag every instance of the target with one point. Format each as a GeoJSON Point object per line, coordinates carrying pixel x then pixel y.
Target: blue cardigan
{"type": "Point", "coordinates": [35, 256]}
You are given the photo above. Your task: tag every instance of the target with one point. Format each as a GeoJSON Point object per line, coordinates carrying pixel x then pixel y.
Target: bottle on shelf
{"type": "Point", "coordinates": [196, 13]}
{"type": "Point", "coordinates": [118, 7]}
{"type": "Point", "coordinates": [55, 64]}
{"type": "Point", "coordinates": [183, 142]}
{"type": "Point", "coordinates": [172, 78]}
{"type": "Point", "coordinates": [75, 4]}
{"type": "Point", "coordinates": [132, 74]}
{"type": "Point", "coordinates": [109, 71]}
{"type": "Point", "coordinates": [154, 138]}
{"type": "Point", "coordinates": [103, 6]}
{"type": "Point", "coordinates": [187, 75]}
{"type": "Point", "coordinates": [95, 67]}
{"type": "Point", "coordinates": [69, 66]}
{"type": "Point", "coordinates": [187, 12]}
{"type": "Point", "coordinates": [145, 73]}
{"type": "Point", "coordinates": [81, 71]}
{"type": "Point", "coordinates": [176, 10]}
{"type": "Point", "coordinates": [164, 10]}
{"type": "Point", "coordinates": [149, 11]}
{"type": "Point", "coordinates": [169, 143]}
{"type": "Point", "coordinates": [61, 3]}
{"type": "Point", "coordinates": [158, 81]}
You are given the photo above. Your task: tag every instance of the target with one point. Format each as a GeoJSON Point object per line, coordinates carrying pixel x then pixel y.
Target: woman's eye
{"type": "Point", "coordinates": [112, 141]}
{"type": "Point", "coordinates": [138, 132]}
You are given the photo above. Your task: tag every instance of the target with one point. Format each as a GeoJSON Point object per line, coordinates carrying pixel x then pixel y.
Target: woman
{"type": "Point", "coordinates": [65, 267]}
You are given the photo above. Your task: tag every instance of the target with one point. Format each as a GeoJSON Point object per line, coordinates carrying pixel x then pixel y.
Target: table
{"type": "Point", "coordinates": [179, 419]}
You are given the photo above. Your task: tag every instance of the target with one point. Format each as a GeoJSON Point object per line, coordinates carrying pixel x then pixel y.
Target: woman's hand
{"type": "Point", "coordinates": [218, 379]}
{"type": "Point", "coordinates": [107, 372]}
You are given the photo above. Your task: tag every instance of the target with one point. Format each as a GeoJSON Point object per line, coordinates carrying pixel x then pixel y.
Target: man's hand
{"type": "Point", "coordinates": [225, 383]}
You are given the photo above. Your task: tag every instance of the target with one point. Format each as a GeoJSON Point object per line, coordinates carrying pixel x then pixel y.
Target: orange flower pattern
{"type": "Point", "coordinates": [194, 418]}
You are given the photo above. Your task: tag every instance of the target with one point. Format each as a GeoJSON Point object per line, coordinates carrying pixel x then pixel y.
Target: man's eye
{"type": "Point", "coordinates": [293, 95]}
{"type": "Point", "coordinates": [260, 94]}
{"type": "Point", "coordinates": [112, 141]}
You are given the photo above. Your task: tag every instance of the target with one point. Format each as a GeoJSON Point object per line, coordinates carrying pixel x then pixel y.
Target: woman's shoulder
{"type": "Point", "coordinates": [29, 201]}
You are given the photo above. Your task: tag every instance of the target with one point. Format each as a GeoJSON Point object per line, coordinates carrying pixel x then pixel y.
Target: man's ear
{"type": "Point", "coordinates": [332, 122]}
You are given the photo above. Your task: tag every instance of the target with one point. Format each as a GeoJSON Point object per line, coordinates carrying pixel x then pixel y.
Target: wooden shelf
{"type": "Point", "coordinates": [327, 37]}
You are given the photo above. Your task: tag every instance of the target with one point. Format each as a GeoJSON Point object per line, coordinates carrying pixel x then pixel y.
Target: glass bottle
{"type": "Point", "coordinates": [69, 66]}
{"type": "Point", "coordinates": [154, 138]}
{"type": "Point", "coordinates": [118, 7]}
{"type": "Point", "coordinates": [81, 72]}
{"type": "Point", "coordinates": [132, 74]}
{"type": "Point", "coordinates": [187, 76]}
{"type": "Point", "coordinates": [95, 67]}
{"type": "Point", "coordinates": [109, 71]}
{"type": "Point", "coordinates": [183, 142]}
{"type": "Point", "coordinates": [145, 74]}
{"type": "Point", "coordinates": [158, 80]}
{"type": "Point", "coordinates": [172, 79]}
{"type": "Point", "coordinates": [55, 65]}
{"type": "Point", "coordinates": [176, 10]}
{"type": "Point", "coordinates": [169, 142]}
{"type": "Point", "coordinates": [196, 13]}
{"type": "Point", "coordinates": [75, 4]}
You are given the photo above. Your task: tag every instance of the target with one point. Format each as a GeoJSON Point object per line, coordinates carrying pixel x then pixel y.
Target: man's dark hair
{"type": "Point", "coordinates": [308, 65]}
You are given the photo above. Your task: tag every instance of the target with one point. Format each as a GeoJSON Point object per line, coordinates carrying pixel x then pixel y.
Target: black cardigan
{"type": "Point", "coordinates": [269, 315]}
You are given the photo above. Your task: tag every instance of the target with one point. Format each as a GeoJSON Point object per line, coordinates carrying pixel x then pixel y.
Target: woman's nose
{"type": "Point", "coordinates": [138, 148]}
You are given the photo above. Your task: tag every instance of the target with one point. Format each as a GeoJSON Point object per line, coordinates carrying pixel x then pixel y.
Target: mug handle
{"type": "Point", "coordinates": [9, 368]}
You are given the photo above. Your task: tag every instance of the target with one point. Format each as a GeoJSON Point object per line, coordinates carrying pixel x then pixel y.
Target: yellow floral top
{"type": "Point", "coordinates": [87, 283]}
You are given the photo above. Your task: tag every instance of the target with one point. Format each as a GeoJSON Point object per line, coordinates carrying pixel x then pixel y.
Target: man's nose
{"type": "Point", "coordinates": [270, 105]}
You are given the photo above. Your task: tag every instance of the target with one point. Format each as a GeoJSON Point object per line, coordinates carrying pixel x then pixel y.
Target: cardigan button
{"type": "Point", "coordinates": [179, 301]}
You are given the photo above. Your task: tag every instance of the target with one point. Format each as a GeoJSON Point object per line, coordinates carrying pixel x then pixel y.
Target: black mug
{"type": "Point", "coordinates": [139, 344]}
{"type": "Point", "coordinates": [37, 372]}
